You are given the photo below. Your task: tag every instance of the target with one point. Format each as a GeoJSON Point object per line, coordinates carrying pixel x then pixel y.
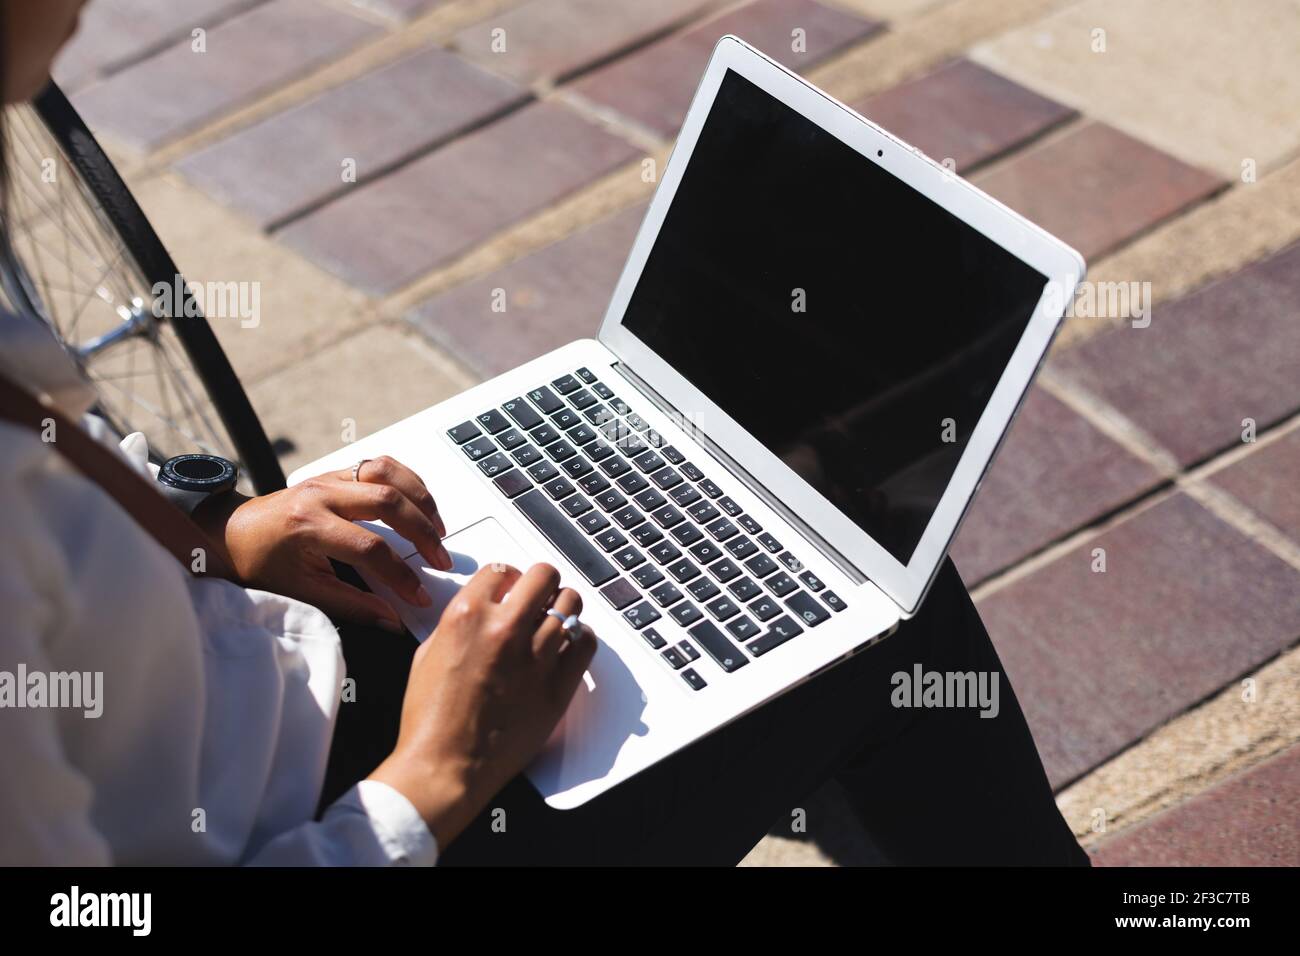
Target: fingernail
{"type": "Point", "coordinates": [422, 596]}
{"type": "Point", "coordinates": [445, 558]}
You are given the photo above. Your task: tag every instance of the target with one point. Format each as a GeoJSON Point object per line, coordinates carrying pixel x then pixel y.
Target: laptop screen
{"type": "Point", "coordinates": [851, 325]}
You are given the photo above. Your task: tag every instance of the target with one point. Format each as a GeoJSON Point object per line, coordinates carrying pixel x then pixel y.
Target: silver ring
{"type": "Point", "coordinates": [356, 469]}
{"type": "Point", "coordinates": [568, 623]}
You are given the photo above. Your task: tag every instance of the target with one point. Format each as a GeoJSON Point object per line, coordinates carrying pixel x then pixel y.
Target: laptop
{"type": "Point", "coordinates": [755, 469]}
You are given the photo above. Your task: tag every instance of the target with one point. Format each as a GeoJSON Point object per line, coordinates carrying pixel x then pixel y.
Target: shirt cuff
{"type": "Point", "coordinates": [401, 831]}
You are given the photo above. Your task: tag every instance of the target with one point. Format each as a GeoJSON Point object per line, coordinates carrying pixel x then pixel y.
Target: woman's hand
{"type": "Point", "coordinates": [485, 693]}
{"type": "Point", "coordinates": [282, 542]}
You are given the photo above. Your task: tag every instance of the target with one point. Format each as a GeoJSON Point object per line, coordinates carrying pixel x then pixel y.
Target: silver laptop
{"type": "Point", "coordinates": [755, 469]}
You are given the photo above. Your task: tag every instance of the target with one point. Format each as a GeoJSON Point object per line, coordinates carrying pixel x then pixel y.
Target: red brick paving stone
{"type": "Point", "coordinates": [440, 206]}
{"type": "Point", "coordinates": [556, 38]}
{"type": "Point", "coordinates": [293, 160]}
{"type": "Point", "coordinates": [553, 296]}
{"type": "Point", "coordinates": [179, 90]}
{"type": "Point", "coordinates": [1268, 481]}
{"type": "Point", "coordinates": [963, 112]}
{"type": "Point", "coordinates": [1055, 474]}
{"type": "Point", "coordinates": [1096, 187]}
{"type": "Point", "coordinates": [115, 32]}
{"type": "Point", "coordinates": [1099, 660]}
{"type": "Point", "coordinates": [1251, 819]}
{"type": "Point", "coordinates": [1222, 354]}
{"type": "Point", "coordinates": [654, 86]}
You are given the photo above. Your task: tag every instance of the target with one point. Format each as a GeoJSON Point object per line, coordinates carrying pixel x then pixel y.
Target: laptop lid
{"type": "Point", "coordinates": [851, 323]}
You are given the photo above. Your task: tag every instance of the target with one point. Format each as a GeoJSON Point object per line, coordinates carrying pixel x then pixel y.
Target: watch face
{"type": "Point", "coordinates": [198, 473]}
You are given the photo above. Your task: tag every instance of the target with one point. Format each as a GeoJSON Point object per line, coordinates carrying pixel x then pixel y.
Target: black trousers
{"type": "Point", "coordinates": [929, 785]}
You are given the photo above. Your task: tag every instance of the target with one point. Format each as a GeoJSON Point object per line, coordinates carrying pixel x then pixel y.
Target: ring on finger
{"type": "Point", "coordinates": [356, 469]}
{"type": "Point", "coordinates": [569, 623]}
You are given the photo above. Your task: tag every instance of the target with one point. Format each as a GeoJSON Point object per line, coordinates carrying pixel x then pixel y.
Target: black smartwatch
{"type": "Point", "coordinates": [189, 480]}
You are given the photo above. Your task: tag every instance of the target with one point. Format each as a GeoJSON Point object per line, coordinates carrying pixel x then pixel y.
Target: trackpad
{"type": "Point", "coordinates": [483, 542]}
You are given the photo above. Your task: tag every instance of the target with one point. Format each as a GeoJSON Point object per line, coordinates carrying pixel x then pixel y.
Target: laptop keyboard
{"type": "Point", "coordinates": [653, 532]}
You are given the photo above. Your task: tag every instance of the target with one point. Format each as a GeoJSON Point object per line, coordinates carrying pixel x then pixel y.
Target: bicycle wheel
{"type": "Point", "coordinates": [84, 259]}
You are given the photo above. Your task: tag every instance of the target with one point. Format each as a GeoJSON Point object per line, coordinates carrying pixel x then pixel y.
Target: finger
{"type": "Point", "coordinates": [352, 544]}
{"type": "Point", "coordinates": [490, 583]}
{"type": "Point", "coordinates": [575, 657]}
{"type": "Point", "coordinates": [550, 637]}
{"type": "Point", "coordinates": [532, 595]}
{"type": "Point", "coordinates": [343, 602]}
{"type": "Point", "coordinates": [361, 501]}
{"type": "Point", "coordinates": [389, 471]}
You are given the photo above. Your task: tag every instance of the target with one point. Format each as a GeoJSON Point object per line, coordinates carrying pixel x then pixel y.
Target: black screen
{"type": "Point", "coordinates": [851, 325]}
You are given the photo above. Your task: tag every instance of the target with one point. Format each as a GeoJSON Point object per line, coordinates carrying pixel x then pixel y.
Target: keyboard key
{"type": "Point", "coordinates": [593, 521]}
{"type": "Point", "coordinates": [702, 589]}
{"type": "Point", "coordinates": [464, 432]}
{"type": "Point", "coordinates": [760, 566]}
{"type": "Point", "coordinates": [834, 601]}
{"type": "Point", "coordinates": [703, 511]}
{"type": "Point", "coordinates": [688, 650]}
{"type": "Point", "coordinates": [686, 613]}
{"type": "Point", "coordinates": [610, 500]}
{"type": "Point", "coordinates": [586, 375]}
{"type": "Point", "coordinates": [526, 455]}
{"type": "Point", "coordinates": [495, 464]}
{"type": "Point", "coordinates": [667, 516]}
{"type": "Point", "coordinates": [729, 506]}
{"type": "Point", "coordinates": [721, 530]}
{"type": "Point", "coordinates": [567, 539]}
{"type": "Point", "coordinates": [627, 517]}
{"type": "Point", "coordinates": [610, 539]}
{"type": "Point", "coordinates": [575, 506]}
{"type": "Point", "coordinates": [666, 594]}
{"type": "Point", "coordinates": [593, 484]}
{"type": "Point", "coordinates": [791, 562]}
{"type": "Point", "coordinates": [722, 608]}
{"type": "Point", "coordinates": [674, 658]}
{"type": "Point", "coordinates": [631, 445]}
{"type": "Point", "coordinates": [781, 584]}
{"type": "Point", "coordinates": [558, 488]}
{"type": "Point", "coordinates": [640, 615]}
{"type": "Point", "coordinates": [615, 430]}
{"type": "Point", "coordinates": [653, 638]}
{"type": "Point", "coordinates": [807, 609]}
{"type": "Point", "coordinates": [580, 435]}
{"type": "Point", "coordinates": [615, 466]}
{"type": "Point", "coordinates": [765, 608]}
{"type": "Point", "coordinates": [741, 547]}
{"type": "Point", "coordinates": [652, 438]}
{"type": "Point", "coordinates": [665, 551]}
{"type": "Point", "coordinates": [628, 557]}
{"type": "Point", "coordinates": [650, 499]}
{"type": "Point", "coordinates": [691, 472]}
{"type": "Point", "coordinates": [749, 524]}
{"type": "Point", "coordinates": [709, 488]}
{"type": "Point", "coordinates": [545, 399]}
{"type": "Point", "coordinates": [648, 462]}
{"type": "Point", "coordinates": [647, 575]}
{"type": "Point", "coordinates": [513, 482]}
{"type": "Point", "coordinates": [694, 680]}
{"type": "Point", "coordinates": [666, 477]}
{"type": "Point", "coordinates": [724, 570]}
{"type": "Point", "coordinates": [672, 454]}
{"type": "Point", "coordinates": [742, 628]}
{"type": "Point", "coordinates": [620, 406]}
{"type": "Point", "coordinates": [778, 632]}
{"type": "Point", "coordinates": [684, 494]}
{"type": "Point", "coordinates": [582, 399]}
{"type": "Point", "coordinates": [769, 542]}
{"type": "Point", "coordinates": [706, 551]}
{"type": "Point", "coordinates": [492, 421]}
{"type": "Point", "coordinates": [637, 423]}
{"type": "Point", "coordinates": [560, 450]}
{"type": "Point", "coordinates": [565, 419]}
{"type": "Point", "coordinates": [631, 483]}
{"type": "Point", "coordinates": [479, 448]}
{"type": "Point", "coordinates": [727, 655]}
{"type": "Point", "coordinates": [522, 413]}
{"type": "Point", "coordinates": [599, 415]}
{"type": "Point", "coordinates": [683, 570]}
{"type": "Point", "coordinates": [511, 438]}
{"type": "Point", "coordinates": [544, 435]}
{"type": "Point", "coordinates": [603, 390]}
{"type": "Point", "coordinates": [687, 534]}
{"type": "Point", "coordinates": [647, 534]}
{"type": "Point", "coordinates": [566, 384]}
{"type": "Point", "coordinates": [811, 581]}
{"type": "Point", "coordinates": [577, 467]}
{"type": "Point", "coordinates": [598, 451]}
{"type": "Point", "coordinates": [745, 589]}
{"type": "Point", "coordinates": [620, 593]}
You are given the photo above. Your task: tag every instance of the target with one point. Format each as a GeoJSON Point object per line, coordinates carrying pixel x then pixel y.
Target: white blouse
{"type": "Point", "coordinates": [216, 703]}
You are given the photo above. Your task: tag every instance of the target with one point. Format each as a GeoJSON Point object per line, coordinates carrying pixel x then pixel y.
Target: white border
{"type": "Point", "coordinates": [905, 584]}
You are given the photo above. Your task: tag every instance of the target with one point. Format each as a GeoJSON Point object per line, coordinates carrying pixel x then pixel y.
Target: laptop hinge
{"type": "Point", "coordinates": [747, 479]}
